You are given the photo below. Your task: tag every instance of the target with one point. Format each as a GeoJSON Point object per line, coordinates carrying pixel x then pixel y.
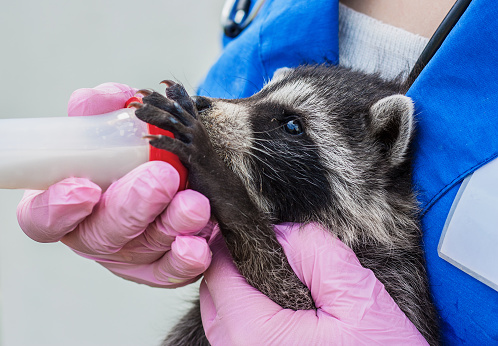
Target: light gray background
{"type": "Point", "coordinates": [48, 295]}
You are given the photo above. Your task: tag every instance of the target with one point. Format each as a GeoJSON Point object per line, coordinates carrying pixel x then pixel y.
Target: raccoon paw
{"type": "Point", "coordinates": [177, 113]}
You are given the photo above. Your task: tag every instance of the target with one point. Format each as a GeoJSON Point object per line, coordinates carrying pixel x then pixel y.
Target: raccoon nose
{"type": "Point", "coordinates": [201, 103]}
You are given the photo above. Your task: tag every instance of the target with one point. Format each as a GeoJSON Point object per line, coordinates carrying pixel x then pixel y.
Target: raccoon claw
{"type": "Point", "coordinates": [136, 105]}
{"type": "Point", "coordinates": [144, 92]}
{"type": "Point", "coordinates": [170, 118]}
{"type": "Point", "coordinates": [177, 93]}
{"type": "Point", "coordinates": [152, 137]}
{"type": "Point", "coordinates": [168, 83]}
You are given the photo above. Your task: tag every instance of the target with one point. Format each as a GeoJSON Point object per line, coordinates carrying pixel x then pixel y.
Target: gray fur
{"type": "Point", "coordinates": [349, 170]}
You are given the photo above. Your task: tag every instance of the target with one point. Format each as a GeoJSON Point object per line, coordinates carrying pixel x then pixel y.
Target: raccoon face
{"type": "Point", "coordinates": [312, 142]}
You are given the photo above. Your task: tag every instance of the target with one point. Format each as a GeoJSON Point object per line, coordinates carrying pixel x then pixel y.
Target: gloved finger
{"type": "Point", "coordinates": [188, 259]}
{"type": "Point", "coordinates": [333, 262]}
{"type": "Point", "coordinates": [46, 216]}
{"type": "Point", "coordinates": [126, 209]}
{"type": "Point", "coordinates": [343, 290]}
{"type": "Point", "coordinates": [256, 323]}
{"type": "Point", "coordinates": [222, 279]}
{"type": "Point", "coordinates": [102, 99]}
{"type": "Point", "coordinates": [187, 214]}
{"type": "Point", "coordinates": [233, 311]}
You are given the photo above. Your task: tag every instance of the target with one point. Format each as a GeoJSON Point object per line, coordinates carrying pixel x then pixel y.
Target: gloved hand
{"type": "Point", "coordinates": [140, 228]}
{"type": "Point", "coordinates": [353, 307]}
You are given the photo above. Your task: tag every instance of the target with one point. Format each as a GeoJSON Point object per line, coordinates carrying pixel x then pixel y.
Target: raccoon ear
{"type": "Point", "coordinates": [392, 125]}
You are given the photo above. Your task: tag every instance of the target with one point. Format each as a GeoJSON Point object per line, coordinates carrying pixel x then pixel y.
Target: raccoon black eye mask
{"type": "Point", "coordinates": [317, 144]}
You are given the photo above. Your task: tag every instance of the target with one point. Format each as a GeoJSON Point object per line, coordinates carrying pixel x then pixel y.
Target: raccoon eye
{"type": "Point", "coordinates": [293, 127]}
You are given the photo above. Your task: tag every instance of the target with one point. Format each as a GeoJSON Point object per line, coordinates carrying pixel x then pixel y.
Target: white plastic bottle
{"type": "Point", "coordinates": [38, 152]}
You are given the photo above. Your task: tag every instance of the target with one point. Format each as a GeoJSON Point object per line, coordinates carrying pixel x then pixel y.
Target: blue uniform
{"type": "Point", "coordinates": [457, 125]}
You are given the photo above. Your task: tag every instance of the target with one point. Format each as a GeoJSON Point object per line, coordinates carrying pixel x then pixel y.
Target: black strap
{"type": "Point", "coordinates": [439, 36]}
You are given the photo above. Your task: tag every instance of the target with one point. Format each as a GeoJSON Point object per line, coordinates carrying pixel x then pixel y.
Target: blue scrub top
{"type": "Point", "coordinates": [457, 125]}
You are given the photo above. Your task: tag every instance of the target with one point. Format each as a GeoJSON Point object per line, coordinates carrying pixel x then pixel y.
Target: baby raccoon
{"type": "Point", "coordinates": [319, 144]}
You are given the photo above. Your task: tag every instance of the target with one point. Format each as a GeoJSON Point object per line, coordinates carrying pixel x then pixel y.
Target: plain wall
{"type": "Point", "coordinates": [48, 295]}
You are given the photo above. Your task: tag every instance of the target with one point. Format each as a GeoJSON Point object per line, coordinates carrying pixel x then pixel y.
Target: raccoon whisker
{"type": "Point", "coordinates": [283, 148]}
{"type": "Point", "coordinates": [255, 139]}
{"type": "Point", "coordinates": [301, 171]}
{"type": "Point", "coordinates": [275, 175]}
{"type": "Point", "coordinates": [297, 161]}
{"type": "Point", "coordinates": [270, 154]}
{"type": "Point", "coordinates": [269, 166]}
{"type": "Point", "coordinates": [267, 131]}
{"type": "Point", "coordinates": [310, 147]}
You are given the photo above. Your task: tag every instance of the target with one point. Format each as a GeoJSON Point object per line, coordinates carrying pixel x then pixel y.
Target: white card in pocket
{"type": "Point", "coordinates": [470, 236]}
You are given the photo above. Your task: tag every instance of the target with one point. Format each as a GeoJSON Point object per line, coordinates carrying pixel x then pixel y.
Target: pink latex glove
{"type": "Point", "coordinates": [104, 98]}
{"type": "Point", "coordinates": [353, 308]}
{"type": "Point", "coordinates": [140, 228]}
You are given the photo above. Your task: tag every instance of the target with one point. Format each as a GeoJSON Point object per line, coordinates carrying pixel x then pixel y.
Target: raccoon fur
{"type": "Point", "coordinates": [319, 144]}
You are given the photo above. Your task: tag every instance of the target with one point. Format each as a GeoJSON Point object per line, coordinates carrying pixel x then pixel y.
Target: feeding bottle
{"type": "Point", "coordinates": [38, 152]}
